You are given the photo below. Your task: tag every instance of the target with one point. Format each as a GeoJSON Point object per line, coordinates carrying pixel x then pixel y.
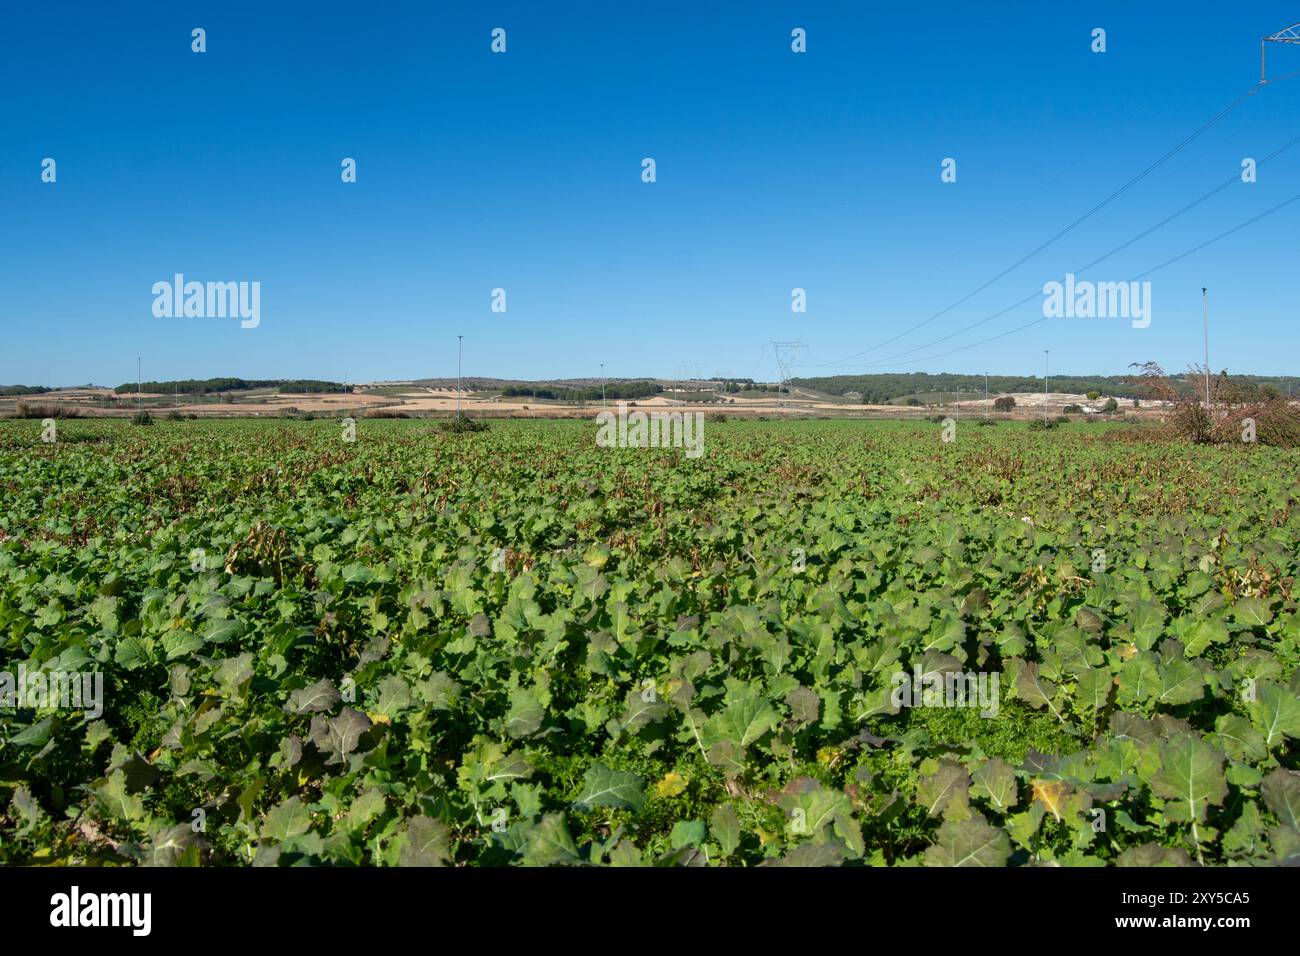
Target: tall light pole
{"type": "Point", "coordinates": [1047, 357]}
{"type": "Point", "coordinates": [1205, 319]}
{"type": "Point", "coordinates": [459, 342]}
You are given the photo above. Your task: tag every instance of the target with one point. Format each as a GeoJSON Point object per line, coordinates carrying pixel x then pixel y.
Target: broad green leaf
{"type": "Point", "coordinates": [830, 853]}
{"type": "Point", "coordinates": [1190, 778]}
{"type": "Point", "coordinates": [1252, 612]}
{"type": "Point", "coordinates": [820, 814]}
{"type": "Point", "coordinates": [288, 819]}
{"type": "Point", "coordinates": [548, 843]}
{"type": "Point", "coordinates": [440, 691]}
{"type": "Point", "coordinates": [602, 787]}
{"type": "Point", "coordinates": [971, 842]}
{"type": "Point", "coordinates": [1094, 689]}
{"type": "Point", "coordinates": [995, 781]}
{"type": "Point", "coordinates": [1238, 739]}
{"type": "Point", "coordinates": [393, 696]}
{"type": "Point", "coordinates": [339, 736]}
{"type": "Point", "coordinates": [314, 698]}
{"type": "Point", "coordinates": [724, 826]}
{"type": "Point", "coordinates": [425, 842]}
{"type": "Point", "coordinates": [745, 719]}
{"type": "Point", "coordinates": [687, 833]}
{"type": "Point", "coordinates": [948, 783]}
{"type": "Point", "coordinates": [1036, 690]}
{"type": "Point", "coordinates": [1151, 854]}
{"type": "Point", "coordinates": [525, 715]}
{"type": "Point", "coordinates": [1180, 683]}
{"type": "Point", "coordinates": [1276, 712]}
{"type": "Point", "coordinates": [1281, 792]}
{"type": "Point", "coordinates": [1202, 634]}
{"type": "Point", "coordinates": [641, 708]}
{"type": "Point", "coordinates": [804, 706]}
{"type": "Point", "coordinates": [113, 796]}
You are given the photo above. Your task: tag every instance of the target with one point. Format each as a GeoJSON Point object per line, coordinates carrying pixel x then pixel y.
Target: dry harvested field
{"type": "Point", "coordinates": [417, 400]}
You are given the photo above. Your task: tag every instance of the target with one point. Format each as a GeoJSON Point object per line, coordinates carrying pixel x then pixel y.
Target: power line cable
{"type": "Point", "coordinates": [762, 354]}
{"type": "Point", "coordinates": [1168, 262]}
{"type": "Point", "coordinates": [1215, 120]}
{"type": "Point", "coordinates": [1082, 269]}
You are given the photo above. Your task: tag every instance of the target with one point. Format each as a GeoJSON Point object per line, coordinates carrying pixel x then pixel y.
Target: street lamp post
{"type": "Point", "coordinates": [1205, 319]}
{"type": "Point", "coordinates": [1047, 357]}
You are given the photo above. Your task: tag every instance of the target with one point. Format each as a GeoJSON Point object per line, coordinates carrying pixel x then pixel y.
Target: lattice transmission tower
{"type": "Point", "coordinates": [1290, 35]}
{"type": "Point", "coordinates": [786, 354]}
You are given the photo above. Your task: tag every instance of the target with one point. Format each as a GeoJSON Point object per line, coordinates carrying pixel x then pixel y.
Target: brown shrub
{"type": "Point", "coordinates": [46, 410]}
{"type": "Point", "coordinates": [1276, 420]}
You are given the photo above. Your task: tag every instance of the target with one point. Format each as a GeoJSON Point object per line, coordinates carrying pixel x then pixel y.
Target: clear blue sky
{"type": "Point", "coordinates": [522, 171]}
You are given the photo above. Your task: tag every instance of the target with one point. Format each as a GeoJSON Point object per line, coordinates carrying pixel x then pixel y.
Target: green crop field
{"type": "Point", "coordinates": [819, 642]}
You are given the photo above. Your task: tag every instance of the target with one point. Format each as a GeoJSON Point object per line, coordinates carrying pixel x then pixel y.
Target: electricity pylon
{"type": "Point", "coordinates": [786, 353]}
{"type": "Point", "coordinates": [1290, 35]}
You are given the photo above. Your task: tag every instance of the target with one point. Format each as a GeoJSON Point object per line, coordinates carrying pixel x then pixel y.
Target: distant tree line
{"type": "Point", "coordinates": [1240, 389]}
{"type": "Point", "coordinates": [1236, 389]}
{"type": "Point", "coordinates": [311, 385]}
{"type": "Point", "coordinates": [10, 390]}
{"type": "Point", "coordinates": [615, 390]}
{"type": "Point", "coordinates": [204, 386]}
{"type": "Point", "coordinates": [887, 386]}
